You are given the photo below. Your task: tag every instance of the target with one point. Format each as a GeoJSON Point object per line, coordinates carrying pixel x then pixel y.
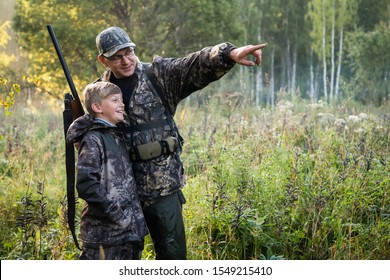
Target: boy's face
{"type": "Point", "coordinates": [111, 109]}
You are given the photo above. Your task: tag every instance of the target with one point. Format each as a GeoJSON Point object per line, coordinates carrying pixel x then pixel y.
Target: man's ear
{"type": "Point", "coordinates": [102, 60]}
{"type": "Point", "coordinates": [96, 108]}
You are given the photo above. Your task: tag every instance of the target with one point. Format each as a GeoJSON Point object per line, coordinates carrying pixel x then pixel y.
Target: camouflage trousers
{"type": "Point", "coordinates": [126, 251]}
{"type": "Point", "coordinates": [165, 223]}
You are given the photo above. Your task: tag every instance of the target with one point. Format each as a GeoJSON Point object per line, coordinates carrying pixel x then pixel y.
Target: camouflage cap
{"type": "Point", "coordinates": [111, 40]}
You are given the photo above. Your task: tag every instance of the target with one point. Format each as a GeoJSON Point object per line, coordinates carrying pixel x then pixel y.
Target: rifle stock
{"type": "Point", "coordinates": [75, 106]}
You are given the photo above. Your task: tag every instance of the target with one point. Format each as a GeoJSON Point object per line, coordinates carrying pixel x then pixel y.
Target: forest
{"type": "Point", "coordinates": [288, 160]}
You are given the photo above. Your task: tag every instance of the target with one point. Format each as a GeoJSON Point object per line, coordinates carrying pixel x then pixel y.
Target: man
{"type": "Point", "coordinates": [151, 93]}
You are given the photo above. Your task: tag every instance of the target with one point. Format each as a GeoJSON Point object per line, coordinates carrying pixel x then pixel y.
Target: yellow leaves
{"type": "Point", "coordinates": [31, 79]}
{"type": "Point", "coordinates": [9, 99]}
{"type": "Point", "coordinates": [16, 88]}
{"type": "Point", "coordinates": [73, 13]}
{"type": "Point", "coordinates": [4, 36]}
{"type": "Point", "coordinates": [7, 102]}
{"type": "Point", "coordinates": [5, 59]}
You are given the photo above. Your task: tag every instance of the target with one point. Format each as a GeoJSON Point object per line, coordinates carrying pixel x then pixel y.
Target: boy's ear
{"type": "Point", "coordinates": [96, 108]}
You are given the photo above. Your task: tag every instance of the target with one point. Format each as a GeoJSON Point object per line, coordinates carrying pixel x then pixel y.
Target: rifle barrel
{"type": "Point", "coordinates": [63, 62]}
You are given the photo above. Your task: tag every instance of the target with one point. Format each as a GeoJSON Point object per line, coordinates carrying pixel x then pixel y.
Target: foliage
{"type": "Point", "coordinates": [306, 40]}
{"type": "Point", "coordinates": [309, 184]}
{"type": "Point", "coordinates": [308, 181]}
{"type": "Point", "coordinates": [5, 59]}
{"type": "Point", "coordinates": [33, 224]}
{"type": "Point", "coordinates": [301, 181]}
{"type": "Point", "coordinates": [9, 98]}
{"type": "Point", "coordinates": [77, 43]}
{"type": "Point", "coordinates": [175, 31]}
{"type": "Point", "coordinates": [10, 84]}
{"type": "Point", "coordinates": [371, 77]}
{"type": "Point", "coordinates": [7, 93]}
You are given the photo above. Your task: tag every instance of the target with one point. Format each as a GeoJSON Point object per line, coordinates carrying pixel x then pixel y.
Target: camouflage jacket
{"type": "Point", "coordinates": [177, 78]}
{"type": "Point", "coordinates": [112, 214]}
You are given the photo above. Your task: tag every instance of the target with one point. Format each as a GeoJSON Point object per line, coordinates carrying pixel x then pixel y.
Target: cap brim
{"type": "Point", "coordinates": [118, 48]}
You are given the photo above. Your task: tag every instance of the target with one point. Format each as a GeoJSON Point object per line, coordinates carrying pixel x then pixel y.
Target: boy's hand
{"type": "Point", "coordinates": [120, 217]}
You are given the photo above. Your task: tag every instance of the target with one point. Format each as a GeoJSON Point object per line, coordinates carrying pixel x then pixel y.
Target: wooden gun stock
{"type": "Point", "coordinates": [76, 108]}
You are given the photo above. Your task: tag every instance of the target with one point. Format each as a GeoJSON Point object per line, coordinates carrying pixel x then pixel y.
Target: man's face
{"type": "Point", "coordinates": [122, 63]}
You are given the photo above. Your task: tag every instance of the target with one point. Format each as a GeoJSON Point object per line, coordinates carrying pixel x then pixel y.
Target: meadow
{"type": "Point", "coordinates": [302, 181]}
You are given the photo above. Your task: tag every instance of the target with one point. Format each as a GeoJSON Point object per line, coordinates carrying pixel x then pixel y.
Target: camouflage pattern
{"type": "Point", "coordinates": [111, 40]}
{"type": "Point", "coordinates": [127, 251]}
{"type": "Point", "coordinates": [177, 78]}
{"type": "Point", "coordinates": [112, 214]}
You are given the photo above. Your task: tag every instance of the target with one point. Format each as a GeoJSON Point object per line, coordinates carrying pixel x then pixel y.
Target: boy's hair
{"type": "Point", "coordinates": [96, 92]}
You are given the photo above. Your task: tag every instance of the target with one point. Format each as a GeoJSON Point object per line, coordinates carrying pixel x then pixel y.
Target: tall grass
{"type": "Point", "coordinates": [32, 177]}
{"type": "Point", "coordinates": [307, 181]}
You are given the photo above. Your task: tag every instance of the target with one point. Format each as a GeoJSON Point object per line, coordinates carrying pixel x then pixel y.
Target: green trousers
{"type": "Point", "coordinates": [165, 223]}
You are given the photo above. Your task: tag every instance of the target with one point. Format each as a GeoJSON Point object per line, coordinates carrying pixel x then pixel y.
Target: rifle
{"type": "Point", "coordinates": [75, 104]}
{"type": "Point", "coordinates": [72, 110]}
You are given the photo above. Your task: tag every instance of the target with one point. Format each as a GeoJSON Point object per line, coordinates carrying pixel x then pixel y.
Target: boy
{"type": "Point", "coordinates": [112, 223]}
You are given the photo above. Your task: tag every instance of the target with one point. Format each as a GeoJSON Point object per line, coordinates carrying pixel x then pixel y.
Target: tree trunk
{"type": "Point", "coordinates": [288, 66]}
{"type": "Point", "coordinates": [294, 69]}
{"type": "Point", "coordinates": [312, 97]}
{"type": "Point", "coordinates": [272, 82]}
{"type": "Point", "coordinates": [259, 72]}
{"type": "Point", "coordinates": [324, 50]}
{"type": "Point", "coordinates": [332, 74]}
{"type": "Point", "coordinates": [259, 84]}
{"type": "Point", "coordinates": [339, 61]}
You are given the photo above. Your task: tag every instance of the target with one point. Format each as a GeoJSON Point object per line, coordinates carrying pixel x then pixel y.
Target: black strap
{"type": "Point", "coordinates": [143, 126]}
{"type": "Point", "coordinates": [153, 84]}
{"type": "Point", "coordinates": [70, 169]}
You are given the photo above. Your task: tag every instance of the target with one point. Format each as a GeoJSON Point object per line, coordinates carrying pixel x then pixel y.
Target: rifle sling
{"type": "Point", "coordinates": [153, 84]}
{"type": "Point", "coordinates": [70, 169]}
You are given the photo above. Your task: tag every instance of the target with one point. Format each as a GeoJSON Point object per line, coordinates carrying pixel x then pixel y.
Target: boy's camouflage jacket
{"type": "Point", "coordinates": [105, 180]}
{"type": "Point", "coordinates": [177, 78]}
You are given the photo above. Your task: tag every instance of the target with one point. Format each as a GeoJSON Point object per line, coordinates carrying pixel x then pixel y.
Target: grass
{"type": "Point", "coordinates": [296, 183]}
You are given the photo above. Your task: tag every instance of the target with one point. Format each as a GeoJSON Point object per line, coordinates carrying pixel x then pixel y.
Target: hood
{"type": "Point", "coordinates": [81, 126]}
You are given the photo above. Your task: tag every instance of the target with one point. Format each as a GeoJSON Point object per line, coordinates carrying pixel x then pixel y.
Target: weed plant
{"type": "Point", "coordinates": [305, 181]}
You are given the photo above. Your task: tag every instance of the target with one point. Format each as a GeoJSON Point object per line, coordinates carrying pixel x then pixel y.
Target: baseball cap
{"type": "Point", "coordinates": [111, 40]}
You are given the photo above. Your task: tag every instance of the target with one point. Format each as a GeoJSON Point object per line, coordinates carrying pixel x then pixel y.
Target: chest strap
{"type": "Point", "coordinates": [143, 126]}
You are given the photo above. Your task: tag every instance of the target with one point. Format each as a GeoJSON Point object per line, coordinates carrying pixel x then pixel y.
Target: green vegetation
{"type": "Point", "coordinates": [271, 175]}
{"type": "Point", "coordinates": [320, 49]}
{"type": "Point", "coordinates": [307, 181]}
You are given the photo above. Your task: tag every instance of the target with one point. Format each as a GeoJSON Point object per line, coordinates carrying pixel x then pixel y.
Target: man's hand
{"type": "Point", "coordinates": [240, 55]}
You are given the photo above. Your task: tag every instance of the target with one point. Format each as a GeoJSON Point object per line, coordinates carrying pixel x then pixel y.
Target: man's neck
{"type": "Point", "coordinates": [127, 86]}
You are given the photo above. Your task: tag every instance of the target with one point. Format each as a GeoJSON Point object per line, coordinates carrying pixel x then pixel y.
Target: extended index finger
{"type": "Point", "coordinates": [257, 47]}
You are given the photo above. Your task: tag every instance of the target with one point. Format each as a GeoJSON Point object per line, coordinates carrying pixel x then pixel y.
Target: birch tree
{"type": "Point", "coordinates": [328, 18]}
